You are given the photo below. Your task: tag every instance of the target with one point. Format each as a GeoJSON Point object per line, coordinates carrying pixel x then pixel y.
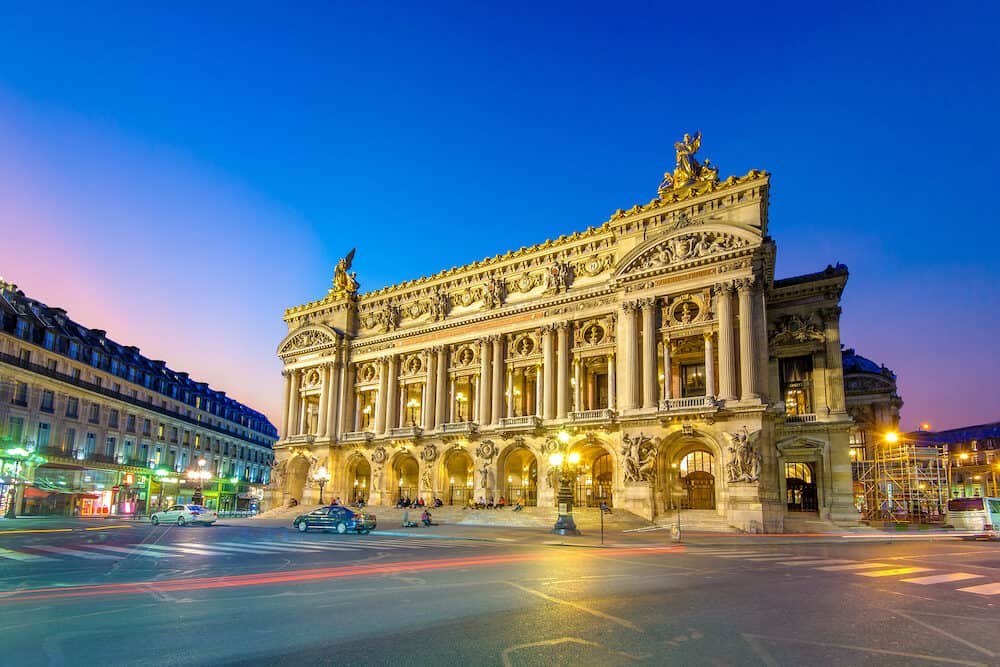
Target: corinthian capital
{"type": "Point", "coordinates": [722, 289]}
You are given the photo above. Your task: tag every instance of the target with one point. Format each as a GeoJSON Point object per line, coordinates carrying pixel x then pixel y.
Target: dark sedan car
{"type": "Point", "coordinates": [338, 518]}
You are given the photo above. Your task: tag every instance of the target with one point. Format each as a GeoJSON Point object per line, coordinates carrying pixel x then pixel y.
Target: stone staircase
{"type": "Point", "coordinates": [699, 521]}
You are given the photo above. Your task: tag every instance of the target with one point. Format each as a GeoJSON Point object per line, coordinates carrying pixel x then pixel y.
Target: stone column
{"type": "Point", "coordinates": [510, 392]}
{"type": "Point", "coordinates": [539, 408]}
{"type": "Point", "coordinates": [348, 406]}
{"type": "Point", "coordinates": [292, 418]}
{"type": "Point", "coordinates": [709, 365]}
{"type": "Point", "coordinates": [727, 356]}
{"type": "Point", "coordinates": [392, 394]}
{"type": "Point", "coordinates": [451, 399]}
{"type": "Point", "coordinates": [474, 406]}
{"type": "Point", "coordinates": [668, 380]}
{"type": "Point", "coordinates": [380, 397]}
{"type": "Point", "coordinates": [649, 379]}
{"type": "Point", "coordinates": [834, 361]}
{"type": "Point", "coordinates": [748, 351]}
{"type": "Point", "coordinates": [627, 356]}
{"type": "Point", "coordinates": [401, 405]}
{"type": "Point", "coordinates": [562, 373]}
{"type": "Point", "coordinates": [288, 397]}
{"type": "Point", "coordinates": [485, 382]}
{"type": "Point", "coordinates": [578, 389]}
{"type": "Point", "coordinates": [611, 382]}
{"type": "Point", "coordinates": [548, 373]}
{"type": "Point", "coordinates": [357, 411]}
{"type": "Point", "coordinates": [324, 398]}
{"type": "Point", "coordinates": [498, 377]}
{"type": "Point", "coordinates": [430, 391]}
{"type": "Point", "coordinates": [441, 400]}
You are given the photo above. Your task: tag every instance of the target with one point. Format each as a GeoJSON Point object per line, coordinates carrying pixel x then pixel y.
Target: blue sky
{"type": "Point", "coordinates": [180, 174]}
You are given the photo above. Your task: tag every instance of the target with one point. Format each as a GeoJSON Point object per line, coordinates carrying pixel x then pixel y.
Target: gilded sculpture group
{"type": "Point", "coordinates": [687, 170]}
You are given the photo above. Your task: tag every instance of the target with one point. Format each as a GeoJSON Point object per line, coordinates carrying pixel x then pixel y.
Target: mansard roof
{"type": "Point", "coordinates": [960, 434]}
{"type": "Point", "coordinates": [16, 305]}
{"type": "Point", "coordinates": [830, 271]}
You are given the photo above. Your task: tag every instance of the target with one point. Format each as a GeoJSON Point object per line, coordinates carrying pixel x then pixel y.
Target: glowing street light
{"type": "Point", "coordinates": [322, 476]}
{"type": "Point", "coordinates": [413, 404]}
{"type": "Point", "coordinates": [566, 465]}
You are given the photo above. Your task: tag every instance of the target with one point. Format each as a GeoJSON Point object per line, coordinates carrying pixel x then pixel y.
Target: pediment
{"type": "Point", "coordinates": [684, 247]}
{"type": "Point", "coordinates": [309, 338]}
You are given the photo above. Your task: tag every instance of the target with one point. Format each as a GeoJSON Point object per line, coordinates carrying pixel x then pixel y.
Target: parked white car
{"type": "Point", "coordinates": [184, 514]}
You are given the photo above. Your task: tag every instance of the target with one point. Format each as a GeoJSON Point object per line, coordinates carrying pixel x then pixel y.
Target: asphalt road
{"type": "Point", "coordinates": [234, 595]}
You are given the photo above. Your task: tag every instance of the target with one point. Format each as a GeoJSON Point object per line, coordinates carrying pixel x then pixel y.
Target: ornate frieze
{"type": "Point", "coordinates": [686, 247]}
{"type": "Point", "coordinates": [310, 340]}
{"type": "Point", "coordinates": [790, 329]}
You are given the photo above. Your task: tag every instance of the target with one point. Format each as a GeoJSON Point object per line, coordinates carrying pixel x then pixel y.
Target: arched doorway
{"type": "Point", "coordinates": [519, 476]}
{"type": "Point", "coordinates": [458, 476]}
{"type": "Point", "coordinates": [594, 479]}
{"type": "Point", "coordinates": [359, 479]}
{"type": "Point", "coordinates": [405, 472]}
{"type": "Point", "coordinates": [800, 487]}
{"type": "Point", "coordinates": [298, 469]}
{"type": "Point", "coordinates": [697, 475]}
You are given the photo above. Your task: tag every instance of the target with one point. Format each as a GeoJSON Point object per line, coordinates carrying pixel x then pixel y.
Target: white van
{"type": "Point", "coordinates": [979, 516]}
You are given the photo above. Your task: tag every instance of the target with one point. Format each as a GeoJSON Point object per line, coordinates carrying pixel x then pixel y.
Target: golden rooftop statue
{"type": "Point", "coordinates": [688, 170]}
{"type": "Point", "coordinates": [345, 284]}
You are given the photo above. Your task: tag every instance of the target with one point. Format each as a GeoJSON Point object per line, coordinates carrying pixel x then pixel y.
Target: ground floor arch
{"type": "Point", "coordinates": [296, 484]}
{"type": "Point", "coordinates": [458, 476]}
{"type": "Point", "coordinates": [517, 476]}
{"type": "Point", "coordinates": [689, 475]}
{"type": "Point", "coordinates": [405, 477]}
{"type": "Point", "coordinates": [359, 479]}
{"type": "Point", "coordinates": [595, 476]}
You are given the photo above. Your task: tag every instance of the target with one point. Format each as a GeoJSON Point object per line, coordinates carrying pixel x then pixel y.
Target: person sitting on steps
{"type": "Point", "coordinates": [519, 504]}
{"type": "Point", "coordinates": [426, 518]}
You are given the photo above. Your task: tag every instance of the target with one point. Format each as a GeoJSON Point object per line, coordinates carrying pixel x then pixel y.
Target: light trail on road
{"type": "Point", "coordinates": [265, 578]}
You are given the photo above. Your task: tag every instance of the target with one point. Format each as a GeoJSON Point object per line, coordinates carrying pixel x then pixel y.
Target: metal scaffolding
{"type": "Point", "coordinates": [900, 481]}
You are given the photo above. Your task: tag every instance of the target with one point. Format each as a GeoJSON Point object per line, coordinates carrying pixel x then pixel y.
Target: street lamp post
{"type": "Point", "coordinates": [322, 476]}
{"type": "Point", "coordinates": [413, 404]}
{"type": "Point", "coordinates": [566, 464]}
{"type": "Point", "coordinates": [461, 400]}
{"type": "Point", "coordinates": [200, 476]}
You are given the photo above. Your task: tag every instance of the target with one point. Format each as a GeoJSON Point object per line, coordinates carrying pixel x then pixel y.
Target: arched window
{"type": "Point", "coordinates": [699, 461]}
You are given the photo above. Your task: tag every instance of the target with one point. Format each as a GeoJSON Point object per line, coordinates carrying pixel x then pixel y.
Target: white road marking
{"type": "Point", "coordinates": [63, 551]}
{"type": "Point", "coordinates": [27, 558]}
{"type": "Point", "coordinates": [242, 549]}
{"type": "Point", "coordinates": [184, 550]}
{"type": "Point", "coordinates": [943, 578]}
{"type": "Point", "coordinates": [855, 566]}
{"type": "Point", "coordinates": [896, 571]}
{"type": "Point", "coordinates": [593, 612]}
{"type": "Point", "coordinates": [764, 559]}
{"type": "Point", "coordinates": [137, 550]}
{"type": "Point", "coordinates": [985, 589]}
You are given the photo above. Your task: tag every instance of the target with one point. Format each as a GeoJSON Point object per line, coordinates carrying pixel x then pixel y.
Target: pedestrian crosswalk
{"type": "Point", "coordinates": [362, 545]}
{"type": "Point", "coordinates": [870, 569]}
